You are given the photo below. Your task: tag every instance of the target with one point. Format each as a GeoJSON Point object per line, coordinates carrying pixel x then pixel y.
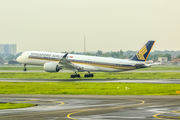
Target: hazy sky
{"type": "Point", "coordinates": [109, 25]}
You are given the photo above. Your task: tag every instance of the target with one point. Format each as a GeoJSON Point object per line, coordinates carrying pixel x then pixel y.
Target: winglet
{"type": "Point", "coordinates": [143, 53]}
{"type": "Point", "coordinates": [65, 55]}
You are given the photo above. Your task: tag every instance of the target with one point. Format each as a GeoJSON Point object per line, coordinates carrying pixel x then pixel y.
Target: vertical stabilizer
{"type": "Point", "coordinates": [143, 53]}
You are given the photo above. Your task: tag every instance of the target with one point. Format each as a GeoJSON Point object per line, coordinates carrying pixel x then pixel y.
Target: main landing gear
{"type": "Point", "coordinates": [75, 75]}
{"type": "Point", "coordinates": [89, 75]}
{"type": "Point", "coordinates": [24, 67]}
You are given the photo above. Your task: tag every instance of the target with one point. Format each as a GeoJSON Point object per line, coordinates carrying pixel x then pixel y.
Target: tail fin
{"type": "Point", "coordinates": [143, 53]}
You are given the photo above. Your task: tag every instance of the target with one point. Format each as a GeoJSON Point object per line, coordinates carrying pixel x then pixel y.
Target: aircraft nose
{"type": "Point", "coordinates": [18, 59]}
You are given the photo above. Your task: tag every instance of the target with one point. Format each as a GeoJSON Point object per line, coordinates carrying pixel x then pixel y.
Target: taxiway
{"type": "Point", "coordinates": [88, 107]}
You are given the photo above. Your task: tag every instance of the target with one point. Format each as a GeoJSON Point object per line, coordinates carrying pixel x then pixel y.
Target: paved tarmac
{"type": "Point", "coordinates": [159, 81]}
{"type": "Point", "coordinates": [92, 107]}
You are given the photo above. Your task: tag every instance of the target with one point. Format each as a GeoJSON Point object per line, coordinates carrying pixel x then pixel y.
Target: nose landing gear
{"type": "Point", "coordinates": [24, 68]}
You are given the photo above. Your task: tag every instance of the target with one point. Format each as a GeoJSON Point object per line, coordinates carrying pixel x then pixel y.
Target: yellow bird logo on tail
{"type": "Point", "coordinates": [140, 54]}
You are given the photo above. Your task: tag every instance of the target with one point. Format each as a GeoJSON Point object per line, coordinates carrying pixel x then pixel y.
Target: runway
{"type": "Point", "coordinates": [157, 81]}
{"type": "Point", "coordinates": [92, 107]}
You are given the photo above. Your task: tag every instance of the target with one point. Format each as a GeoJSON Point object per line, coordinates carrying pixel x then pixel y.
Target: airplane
{"type": "Point", "coordinates": [54, 62]}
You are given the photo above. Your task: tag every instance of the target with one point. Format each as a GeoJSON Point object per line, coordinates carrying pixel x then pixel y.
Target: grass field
{"type": "Point", "coordinates": [85, 88]}
{"type": "Point", "coordinates": [14, 105]}
{"type": "Point", "coordinates": [161, 68]}
{"type": "Point", "coordinates": [97, 75]}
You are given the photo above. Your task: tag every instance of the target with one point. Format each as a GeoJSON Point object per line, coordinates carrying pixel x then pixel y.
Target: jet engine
{"type": "Point", "coordinates": [52, 67]}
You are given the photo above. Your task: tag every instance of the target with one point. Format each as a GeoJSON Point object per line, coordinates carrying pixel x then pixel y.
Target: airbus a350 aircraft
{"type": "Point", "coordinates": [54, 62]}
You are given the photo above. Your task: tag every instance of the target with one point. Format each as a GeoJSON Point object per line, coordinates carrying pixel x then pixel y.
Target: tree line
{"type": "Point", "coordinates": [129, 54]}
{"type": "Point", "coordinates": [114, 54]}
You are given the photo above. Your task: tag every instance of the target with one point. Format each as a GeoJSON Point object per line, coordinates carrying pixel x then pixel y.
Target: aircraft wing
{"type": "Point", "coordinates": [67, 64]}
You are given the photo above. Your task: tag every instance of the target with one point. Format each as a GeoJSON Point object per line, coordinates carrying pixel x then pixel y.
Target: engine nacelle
{"type": "Point", "coordinates": [51, 67]}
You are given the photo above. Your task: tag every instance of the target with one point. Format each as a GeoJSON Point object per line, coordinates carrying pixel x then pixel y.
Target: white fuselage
{"type": "Point", "coordinates": [86, 63]}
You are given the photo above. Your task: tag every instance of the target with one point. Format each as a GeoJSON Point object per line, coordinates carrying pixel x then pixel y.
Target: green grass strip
{"type": "Point", "coordinates": [21, 68]}
{"type": "Point", "coordinates": [14, 105]}
{"type": "Point", "coordinates": [86, 88]}
{"type": "Point", "coordinates": [160, 68]}
{"type": "Point", "coordinates": [97, 75]}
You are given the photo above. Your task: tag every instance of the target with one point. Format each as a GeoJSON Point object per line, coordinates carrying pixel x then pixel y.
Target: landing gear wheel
{"type": "Point", "coordinates": [89, 75]}
{"type": "Point", "coordinates": [75, 75]}
{"type": "Point", "coordinates": [92, 75]}
{"type": "Point", "coordinates": [72, 76]}
{"type": "Point", "coordinates": [24, 68]}
{"type": "Point", "coordinates": [78, 75]}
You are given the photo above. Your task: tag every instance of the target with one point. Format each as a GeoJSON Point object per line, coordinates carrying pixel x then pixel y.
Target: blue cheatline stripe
{"type": "Point", "coordinates": [108, 65]}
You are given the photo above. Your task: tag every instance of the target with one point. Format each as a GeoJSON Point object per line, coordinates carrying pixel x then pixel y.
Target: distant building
{"type": "Point", "coordinates": [8, 49]}
{"type": "Point", "coordinates": [163, 60]}
{"type": "Point", "coordinates": [175, 61]}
